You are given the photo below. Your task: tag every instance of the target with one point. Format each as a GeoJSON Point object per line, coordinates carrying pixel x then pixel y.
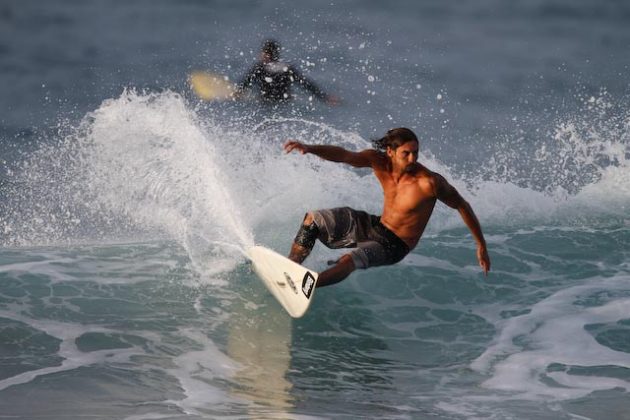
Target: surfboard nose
{"type": "Point", "coordinates": [290, 283]}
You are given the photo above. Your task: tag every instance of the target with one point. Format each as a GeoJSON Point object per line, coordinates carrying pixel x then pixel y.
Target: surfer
{"type": "Point", "coordinates": [274, 78]}
{"type": "Point", "coordinates": [411, 191]}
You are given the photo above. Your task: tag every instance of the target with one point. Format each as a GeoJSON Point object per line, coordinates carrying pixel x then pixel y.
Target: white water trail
{"type": "Point", "coordinates": [146, 157]}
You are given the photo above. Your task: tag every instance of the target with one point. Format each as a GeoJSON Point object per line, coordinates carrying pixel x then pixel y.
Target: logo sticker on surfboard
{"type": "Point", "coordinates": [307, 284]}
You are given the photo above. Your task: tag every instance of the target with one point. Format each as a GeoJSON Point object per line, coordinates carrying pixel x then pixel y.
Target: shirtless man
{"type": "Point", "coordinates": [410, 190]}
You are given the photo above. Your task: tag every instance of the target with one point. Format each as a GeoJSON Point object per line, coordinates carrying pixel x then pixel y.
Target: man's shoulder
{"type": "Point", "coordinates": [422, 172]}
{"type": "Point", "coordinates": [376, 156]}
{"type": "Point", "coordinates": [257, 68]}
{"type": "Point", "coordinates": [372, 152]}
{"type": "Point", "coordinates": [428, 177]}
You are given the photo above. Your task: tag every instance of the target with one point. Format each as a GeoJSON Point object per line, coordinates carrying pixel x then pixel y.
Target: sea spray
{"type": "Point", "coordinates": [149, 166]}
{"type": "Point", "coordinates": [137, 167]}
{"type": "Point", "coordinates": [572, 173]}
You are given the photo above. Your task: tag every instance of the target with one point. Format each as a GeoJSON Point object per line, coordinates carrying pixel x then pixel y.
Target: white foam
{"type": "Point", "coordinates": [554, 332]}
{"type": "Point", "coordinates": [196, 370]}
{"type": "Point", "coordinates": [148, 159]}
{"type": "Point", "coordinates": [72, 357]}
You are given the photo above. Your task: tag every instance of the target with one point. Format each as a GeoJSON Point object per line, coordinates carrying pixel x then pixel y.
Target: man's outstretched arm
{"type": "Point", "coordinates": [446, 193]}
{"type": "Point", "coordinates": [363, 159]}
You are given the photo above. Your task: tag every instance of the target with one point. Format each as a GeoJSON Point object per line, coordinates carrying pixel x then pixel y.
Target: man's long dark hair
{"type": "Point", "coordinates": [394, 138]}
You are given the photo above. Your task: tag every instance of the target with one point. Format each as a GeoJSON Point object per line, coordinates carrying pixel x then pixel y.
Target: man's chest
{"type": "Point", "coordinates": [407, 195]}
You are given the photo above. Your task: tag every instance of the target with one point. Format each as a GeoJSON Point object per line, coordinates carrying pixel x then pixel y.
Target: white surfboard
{"type": "Point", "coordinates": [290, 283]}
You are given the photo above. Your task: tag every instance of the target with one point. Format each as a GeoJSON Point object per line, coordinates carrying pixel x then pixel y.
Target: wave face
{"type": "Point", "coordinates": [143, 164]}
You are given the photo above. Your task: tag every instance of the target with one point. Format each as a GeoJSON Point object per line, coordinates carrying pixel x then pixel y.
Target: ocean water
{"type": "Point", "coordinates": [127, 206]}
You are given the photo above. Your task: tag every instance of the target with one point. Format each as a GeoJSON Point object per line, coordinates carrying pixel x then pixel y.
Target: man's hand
{"type": "Point", "coordinates": [484, 259]}
{"type": "Point", "coordinates": [291, 145]}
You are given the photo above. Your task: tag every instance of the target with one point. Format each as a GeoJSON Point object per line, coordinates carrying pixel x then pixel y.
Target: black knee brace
{"type": "Point", "coordinates": [307, 235]}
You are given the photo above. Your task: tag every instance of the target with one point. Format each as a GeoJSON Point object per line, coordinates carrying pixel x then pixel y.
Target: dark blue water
{"type": "Point", "coordinates": [127, 204]}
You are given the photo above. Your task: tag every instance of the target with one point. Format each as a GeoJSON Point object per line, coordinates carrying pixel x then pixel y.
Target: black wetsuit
{"type": "Point", "coordinates": [274, 80]}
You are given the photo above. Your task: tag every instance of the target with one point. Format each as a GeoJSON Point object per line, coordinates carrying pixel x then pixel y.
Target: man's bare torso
{"type": "Point", "coordinates": [410, 192]}
{"type": "Point", "coordinates": [408, 200]}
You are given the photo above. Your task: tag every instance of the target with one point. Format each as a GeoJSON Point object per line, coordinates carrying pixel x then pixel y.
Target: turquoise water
{"type": "Point", "coordinates": [132, 331]}
{"type": "Point", "coordinates": [127, 206]}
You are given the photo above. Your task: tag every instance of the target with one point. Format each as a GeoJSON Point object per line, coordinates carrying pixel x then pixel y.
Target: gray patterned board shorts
{"type": "Point", "coordinates": [375, 245]}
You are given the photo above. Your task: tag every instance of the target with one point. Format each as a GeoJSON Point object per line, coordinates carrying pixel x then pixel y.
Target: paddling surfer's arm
{"type": "Point", "coordinates": [312, 87]}
{"type": "Point", "coordinates": [447, 194]}
{"type": "Point", "coordinates": [362, 159]}
{"type": "Point", "coordinates": [307, 83]}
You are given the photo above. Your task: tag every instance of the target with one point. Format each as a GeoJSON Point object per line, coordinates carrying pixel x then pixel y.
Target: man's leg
{"type": "Point", "coordinates": [336, 273]}
{"type": "Point", "coordinates": [304, 240]}
{"type": "Point", "coordinates": [332, 222]}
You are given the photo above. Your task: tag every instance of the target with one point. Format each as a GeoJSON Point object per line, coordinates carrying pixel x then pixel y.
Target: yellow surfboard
{"type": "Point", "coordinates": [211, 86]}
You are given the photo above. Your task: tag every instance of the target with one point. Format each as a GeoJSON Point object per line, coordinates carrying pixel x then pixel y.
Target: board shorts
{"type": "Point", "coordinates": [375, 244]}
